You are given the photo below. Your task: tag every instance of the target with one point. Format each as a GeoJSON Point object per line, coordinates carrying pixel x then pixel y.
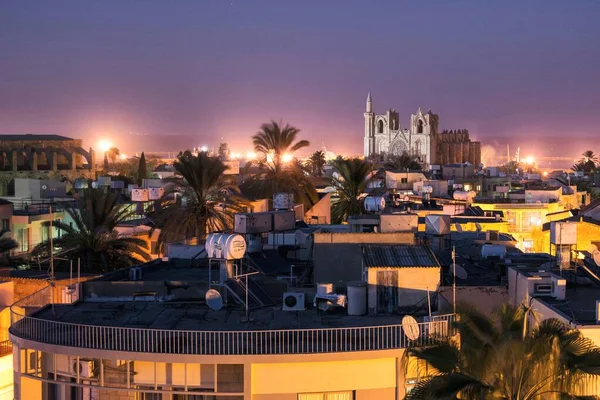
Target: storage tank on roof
{"type": "Point", "coordinates": [357, 298]}
{"type": "Point", "coordinates": [374, 203]}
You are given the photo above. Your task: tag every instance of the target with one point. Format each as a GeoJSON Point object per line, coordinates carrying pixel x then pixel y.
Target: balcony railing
{"type": "Point", "coordinates": [241, 342]}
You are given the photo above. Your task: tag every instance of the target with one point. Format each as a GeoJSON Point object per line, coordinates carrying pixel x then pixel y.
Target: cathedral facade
{"type": "Point", "coordinates": [384, 134]}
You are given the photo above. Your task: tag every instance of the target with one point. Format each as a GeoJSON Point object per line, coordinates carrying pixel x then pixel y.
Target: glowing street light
{"type": "Point", "coordinates": [123, 156]}
{"type": "Point", "coordinates": [204, 149]}
{"type": "Point", "coordinates": [287, 158]}
{"type": "Point", "coordinates": [250, 155]}
{"type": "Point", "coordinates": [529, 160]}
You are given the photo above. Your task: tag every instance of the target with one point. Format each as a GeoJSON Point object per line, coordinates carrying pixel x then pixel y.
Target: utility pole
{"type": "Point", "coordinates": [51, 265]}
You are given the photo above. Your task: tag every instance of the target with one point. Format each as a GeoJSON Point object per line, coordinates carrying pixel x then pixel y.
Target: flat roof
{"type": "Point", "coordinates": [579, 304]}
{"type": "Point", "coordinates": [188, 315]}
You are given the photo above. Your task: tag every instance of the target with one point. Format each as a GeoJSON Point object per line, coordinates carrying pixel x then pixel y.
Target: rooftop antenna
{"type": "Point", "coordinates": [410, 326]}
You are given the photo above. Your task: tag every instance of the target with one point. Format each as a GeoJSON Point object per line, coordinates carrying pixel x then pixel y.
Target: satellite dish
{"type": "Point", "coordinates": [458, 227]}
{"type": "Point", "coordinates": [595, 254]}
{"type": "Point", "coordinates": [214, 301]}
{"type": "Point", "coordinates": [410, 326]}
{"type": "Point", "coordinates": [478, 226]}
{"type": "Point", "coordinates": [94, 185]}
{"type": "Point", "coordinates": [44, 187]}
{"type": "Point", "coordinates": [460, 272]}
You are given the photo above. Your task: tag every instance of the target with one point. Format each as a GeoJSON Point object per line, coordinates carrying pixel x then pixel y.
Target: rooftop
{"type": "Point", "coordinates": [398, 256]}
{"type": "Point", "coordinates": [186, 315]}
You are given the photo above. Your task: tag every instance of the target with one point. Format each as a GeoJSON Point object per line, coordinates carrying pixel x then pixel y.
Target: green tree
{"type": "Point", "coordinates": [7, 244]}
{"type": "Point", "coordinates": [499, 358]}
{"type": "Point", "coordinates": [351, 181]}
{"type": "Point", "coordinates": [113, 153]}
{"type": "Point", "coordinates": [402, 162]}
{"type": "Point", "coordinates": [93, 237]}
{"type": "Point", "coordinates": [511, 168]}
{"type": "Point", "coordinates": [316, 162]}
{"type": "Point", "coordinates": [142, 170]}
{"type": "Point", "coordinates": [275, 145]}
{"type": "Point", "coordinates": [588, 161]}
{"type": "Point", "coordinates": [105, 167]}
{"type": "Point", "coordinates": [223, 151]}
{"type": "Point", "coordinates": [203, 200]}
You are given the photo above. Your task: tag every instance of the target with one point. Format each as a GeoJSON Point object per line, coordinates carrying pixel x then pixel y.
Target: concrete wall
{"type": "Point", "coordinates": [370, 378]}
{"type": "Point", "coordinates": [320, 212]}
{"type": "Point", "coordinates": [338, 256]}
{"type": "Point", "coordinates": [485, 298]}
{"type": "Point", "coordinates": [413, 284]}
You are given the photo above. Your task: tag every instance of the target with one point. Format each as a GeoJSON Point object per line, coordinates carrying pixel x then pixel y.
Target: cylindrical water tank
{"type": "Point", "coordinates": [462, 195]}
{"type": "Point", "coordinates": [210, 245]}
{"type": "Point", "coordinates": [324, 288]}
{"type": "Point", "coordinates": [357, 298]}
{"type": "Point", "coordinates": [374, 203]}
{"type": "Point", "coordinates": [230, 246]}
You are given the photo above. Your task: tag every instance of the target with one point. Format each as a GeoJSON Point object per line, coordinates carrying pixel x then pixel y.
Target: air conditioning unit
{"type": "Point", "coordinates": [135, 274]}
{"type": "Point", "coordinates": [293, 301]}
{"type": "Point", "coordinates": [85, 367]}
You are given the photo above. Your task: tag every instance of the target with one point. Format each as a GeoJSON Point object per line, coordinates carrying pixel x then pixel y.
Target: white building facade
{"type": "Point", "coordinates": [384, 135]}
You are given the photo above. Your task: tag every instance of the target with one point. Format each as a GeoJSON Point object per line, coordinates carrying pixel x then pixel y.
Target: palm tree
{"type": "Point", "coordinates": [112, 154]}
{"type": "Point", "coordinates": [203, 200]}
{"type": "Point", "coordinates": [351, 181]}
{"type": "Point", "coordinates": [402, 162]}
{"type": "Point", "coordinates": [588, 161]}
{"type": "Point", "coordinates": [93, 237]}
{"type": "Point", "coordinates": [275, 144]}
{"type": "Point", "coordinates": [497, 359]}
{"type": "Point", "coordinates": [7, 244]}
{"type": "Point", "coordinates": [316, 162]}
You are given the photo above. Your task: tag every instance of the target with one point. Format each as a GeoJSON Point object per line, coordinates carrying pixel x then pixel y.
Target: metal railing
{"type": "Point", "coordinates": [240, 342]}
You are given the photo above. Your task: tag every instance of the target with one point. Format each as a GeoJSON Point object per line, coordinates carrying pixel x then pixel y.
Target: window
{"type": "Point", "coordinates": [349, 395]}
{"type": "Point", "coordinates": [380, 126]}
{"type": "Point", "coordinates": [403, 180]}
{"type": "Point", "coordinates": [23, 239]}
{"type": "Point", "coordinates": [420, 126]}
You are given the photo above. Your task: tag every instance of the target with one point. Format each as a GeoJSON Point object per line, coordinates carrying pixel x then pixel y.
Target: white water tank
{"type": "Point", "coordinates": [357, 298]}
{"type": "Point", "coordinates": [325, 288]}
{"type": "Point", "coordinates": [374, 203]}
{"type": "Point", "coordinates": [230, 246]}
{"type": "Point", "coordinates": [211, 240]}
{"type": "Point", "coordinates": [465, 196]}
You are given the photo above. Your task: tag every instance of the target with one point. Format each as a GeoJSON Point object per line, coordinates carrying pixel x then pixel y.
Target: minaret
{"type": "Point", "coordinates": [369, 139]}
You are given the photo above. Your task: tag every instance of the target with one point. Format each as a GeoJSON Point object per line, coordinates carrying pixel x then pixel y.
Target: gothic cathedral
{"type": "Point", "coordinates": [383, 134]}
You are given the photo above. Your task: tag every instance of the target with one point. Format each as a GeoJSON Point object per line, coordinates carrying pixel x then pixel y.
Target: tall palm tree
{"type": "Point", "coordinates": [93, 237]}
{"type": "Point", "coordinates": [202, 200]}
{"type": "Point", "coordinates": [495, 359]}
{"type": "Point", "coordinates": [316, 162]}
{"type": "Point", "coordinates": [275, 145]}
{"type": "Point", "coordinates": [588, 161]}
{"type": "Point", "coordinates": [351, 181]}
{"type": "Point", "coordinates": [402, 162]}
{"type": "Point", "coordinates": [112, 154]}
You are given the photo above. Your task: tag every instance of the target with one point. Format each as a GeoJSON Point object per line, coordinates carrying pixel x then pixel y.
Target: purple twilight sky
{"type": "Point", "coordinates": [518, 72]}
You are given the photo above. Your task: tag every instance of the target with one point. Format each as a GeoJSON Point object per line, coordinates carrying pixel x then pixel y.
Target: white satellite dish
{"type": "Point", "coordinates": [595, 254]}
{"type": "Point", "coordinates": [410, 326]}
{"type": "Point", "coordinates": [44, 187]}
{"type": "Point", "coordinates": [478, 226]}
{"type": "Point", "coordinates": [460, 272]}
{"type": "Point", "coordinates": [213, 299]}
{"type": "Point", "coordinates": [458, 227]}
